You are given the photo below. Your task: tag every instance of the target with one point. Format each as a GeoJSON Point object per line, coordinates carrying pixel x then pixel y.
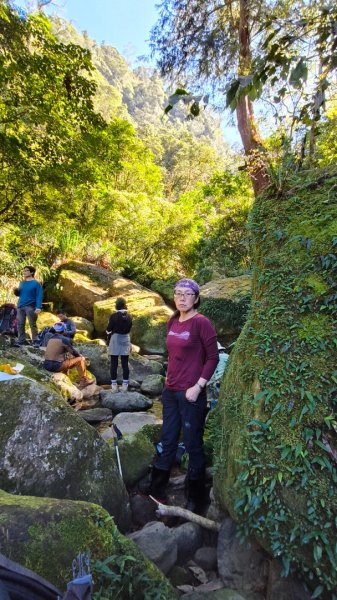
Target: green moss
{"type": "Point", "coordinates": [70, 536]}
{"type": "Point", "coordinates": [152, 432]}
{"type": "Point", "coordinates": [82, 338]}
{"type": "Point", "coordinates": [45, 535]}
{"type": "Point", "coordinates": [316, 282]}
{"type": "Point", "coordinates": [225, 313]}
{"type": "Point", "coordinates": [313, 327]}
{"type": "Point", "coordinates": [274, 471]}
{"type": "Point", "coordinates": [136, 453]}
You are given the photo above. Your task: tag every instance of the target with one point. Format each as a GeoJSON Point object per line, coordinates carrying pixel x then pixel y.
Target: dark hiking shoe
{"type": "Point", "coordinates": [158, 483]}
{"type": "Point", "coordinates": [197, 496]}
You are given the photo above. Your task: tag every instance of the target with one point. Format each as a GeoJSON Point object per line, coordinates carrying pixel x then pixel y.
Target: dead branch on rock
{"type": "Point", "coordinates": [183, 513]}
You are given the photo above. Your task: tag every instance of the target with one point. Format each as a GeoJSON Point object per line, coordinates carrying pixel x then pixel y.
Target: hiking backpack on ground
{"type": "Point", "coordinates": [42, 337]}
{"type": "Point", "coordinates": [8, 320]}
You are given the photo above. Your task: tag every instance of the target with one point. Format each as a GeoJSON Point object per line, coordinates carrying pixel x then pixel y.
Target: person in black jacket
{"type": "Point", "coordinates": [118, 332]}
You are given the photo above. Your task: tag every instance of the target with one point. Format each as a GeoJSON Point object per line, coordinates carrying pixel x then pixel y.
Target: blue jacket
{"type": "Point", "coordinates": [30, 294]}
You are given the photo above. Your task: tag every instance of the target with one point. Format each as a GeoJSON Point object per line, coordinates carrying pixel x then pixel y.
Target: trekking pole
{"type": "Point", "coordinates": [116, 434]}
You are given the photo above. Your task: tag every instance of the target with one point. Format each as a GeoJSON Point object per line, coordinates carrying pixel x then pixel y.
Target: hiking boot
{"type": "Point", "coordinates": [158, 484]}
{"type": "Point", "coordinates": [124, 387]}
{"type": "Point", "coordinates": [114, 388]}
{"type": "Point", "coordinates": [197, 498]}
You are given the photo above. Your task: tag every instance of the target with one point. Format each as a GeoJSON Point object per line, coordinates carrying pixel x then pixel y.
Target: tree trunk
{"type": "Point", "coordinates": [248, 130]}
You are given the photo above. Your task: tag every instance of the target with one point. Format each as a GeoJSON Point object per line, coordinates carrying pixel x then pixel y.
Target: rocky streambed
{"type": "Point", "coordinates": [56, 444]}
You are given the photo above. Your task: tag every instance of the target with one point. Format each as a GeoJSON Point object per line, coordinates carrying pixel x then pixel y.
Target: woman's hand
{"type": "Point", "coordinates": [192, 393]}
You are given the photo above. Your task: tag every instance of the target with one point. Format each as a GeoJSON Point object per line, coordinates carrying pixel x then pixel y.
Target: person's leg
{"type": "Point", "coordinates": [193, 421]}
{"type": "Point", "coordinates": [169, 438]}
{"type": "Point", "coordinates": [21, 317]}
{"type": "Point", "coordinates": [126, 372]}
{"type": "Point", "coordinates": [113, 372]}
{"type": "Point", "coordinates": [32, 318]}
{"type": "Point", "coordinates": [170, 430]}
{"type": "Point", "coordinates": [79, 363]}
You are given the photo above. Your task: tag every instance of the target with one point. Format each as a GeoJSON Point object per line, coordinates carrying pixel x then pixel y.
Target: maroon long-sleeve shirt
{"type": "Point", "coordinates": [193, 352]}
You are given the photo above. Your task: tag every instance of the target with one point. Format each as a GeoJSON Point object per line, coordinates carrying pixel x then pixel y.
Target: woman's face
{"type": "Point", "coordinates": [184, 298]}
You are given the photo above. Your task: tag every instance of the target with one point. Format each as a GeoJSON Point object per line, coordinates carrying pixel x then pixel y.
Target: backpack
{"type": "Point", "coordinates": [8, 320]}
{"type": "Point", "coordinates": [42, 339]}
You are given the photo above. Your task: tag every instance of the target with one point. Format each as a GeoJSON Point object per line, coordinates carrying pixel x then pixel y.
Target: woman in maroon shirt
{"type": "Point", "coordinates": [192, 359]}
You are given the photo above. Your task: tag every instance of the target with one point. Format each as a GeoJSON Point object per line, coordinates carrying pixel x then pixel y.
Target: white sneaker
{"type": "Point", "coordinates": [114, 388]}
{"type": "Point", "coordinates": [124, 387]}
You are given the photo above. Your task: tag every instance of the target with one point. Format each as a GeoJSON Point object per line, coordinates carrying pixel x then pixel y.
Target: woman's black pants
{"type": "Point", "coordinates": [114, 365]}
{"type": "Point", "coordinates": [179, 414]}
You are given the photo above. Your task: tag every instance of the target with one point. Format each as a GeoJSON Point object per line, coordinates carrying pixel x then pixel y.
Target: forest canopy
{"type": "Point", "coordinates": [93, 170]}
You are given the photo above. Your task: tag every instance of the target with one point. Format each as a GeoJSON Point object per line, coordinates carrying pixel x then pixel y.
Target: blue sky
{"type": "Point", "coordinates": [124, 24]}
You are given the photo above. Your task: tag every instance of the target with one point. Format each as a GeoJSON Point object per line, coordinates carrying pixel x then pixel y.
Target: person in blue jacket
{"type": "Point", "coordinates": [70, 327]}
{"type": "Point", "coordinates": [29, 304]}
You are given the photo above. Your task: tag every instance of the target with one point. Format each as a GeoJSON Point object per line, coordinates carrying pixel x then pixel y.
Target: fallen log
{"type": "Point", "coordinates": [176, 511]}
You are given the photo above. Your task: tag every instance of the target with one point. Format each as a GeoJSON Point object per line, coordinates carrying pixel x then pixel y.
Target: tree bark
{"type": "Point", "coordinates": [248, 129]}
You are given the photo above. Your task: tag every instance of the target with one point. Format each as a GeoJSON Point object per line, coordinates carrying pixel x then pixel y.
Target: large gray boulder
{"type": "Point", "coordinates": [141, 367]}
{"type": "Point", "coordinates": [242, 566]}
{"type": "Point", "coordinates": [124, 401]}
{"type": "Point", "coordinates": [81, 285]}
{"type": "Point", "coordinates": [158, 543]}
{"type": "Point", "coordinates": [189, 538]}
{"type": "Point", "coordinates": [131, 422]}
{"type": "Point", "coordinates": [46, 449]}
{"type": "Point", "coordinates": [153, 385]}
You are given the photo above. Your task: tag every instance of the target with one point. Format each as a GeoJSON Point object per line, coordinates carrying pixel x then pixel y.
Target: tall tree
{"type": "Point", "coordinates": [238, 47]}
{"type": "Point", "coordinates": [211, 40]}
{"type": "Point", "coordinates": [45, 106]}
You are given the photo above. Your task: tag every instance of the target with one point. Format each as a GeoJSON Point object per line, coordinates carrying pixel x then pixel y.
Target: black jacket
{"type": "Point", "coordinates": [119, 322]}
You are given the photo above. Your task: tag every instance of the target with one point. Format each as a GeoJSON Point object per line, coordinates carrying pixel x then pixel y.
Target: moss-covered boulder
{"type": "Point", "coordinates": [276, 430]}
{"type": "Point", "coordinates": [82, 338]}
{"type": "Point", "coordinates": [68, 390]}
{"type": "Point", "coordinates": [46, 449]}
{"type": "Point", "coordinates": [98, 359]}
{"type": "Point", "coordinates": [81, 285]}
{"type": "Point", "coordinates": [84, 326]}
{"type": "Point", "coordinates": [153, 385]}
{"type": "Point", "coordinates": [46, 534]}
{"type": "Point", "coordinates": [45, 319]}
{"type": "Point", "coordinates": [226, 301]}
{"type": "Point", "coordinates": [136, 454]}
